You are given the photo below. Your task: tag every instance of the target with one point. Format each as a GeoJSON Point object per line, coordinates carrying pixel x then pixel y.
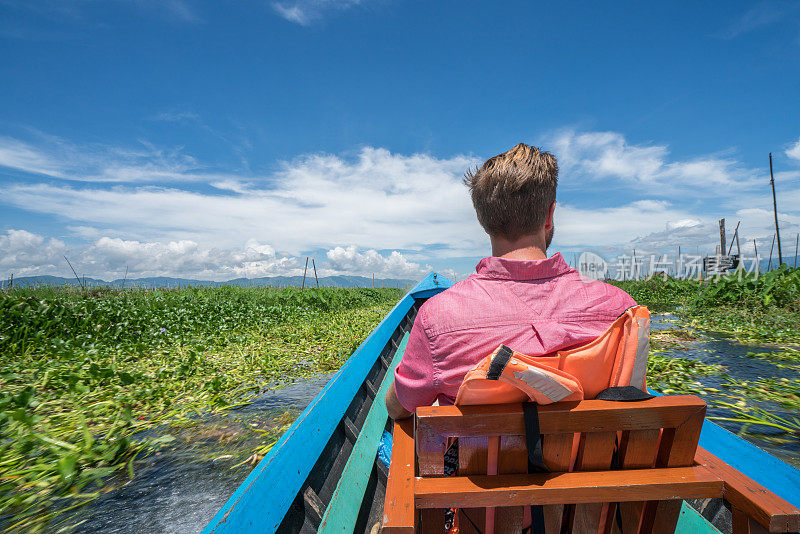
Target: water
{"type": "Point", "coordinates": [714, 348]}
{"type": "Point", "coordinates": [181, 487]}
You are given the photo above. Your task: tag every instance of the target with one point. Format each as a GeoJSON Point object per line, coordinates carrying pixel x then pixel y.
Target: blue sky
{"type": "Point", "coordinates": [216, 140]}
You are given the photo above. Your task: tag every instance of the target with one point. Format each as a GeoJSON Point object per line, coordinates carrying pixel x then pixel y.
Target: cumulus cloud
{"type": "Point", "coordinates": [352, 209]}
{"type": "Point", "coordinates": [350, 260]}
{"type": "Point", "coordinates": [794, 151]}
{"type": "Point", "coordinates": [305, 12]}
{"type": "Point", "coordinates": [27, 254]}
{"type": "Point", "coordinates": [378, 200]}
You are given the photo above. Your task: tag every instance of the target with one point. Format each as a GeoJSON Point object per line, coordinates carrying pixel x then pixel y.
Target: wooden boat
{"type": "Point", "coordinates": [323, 475]}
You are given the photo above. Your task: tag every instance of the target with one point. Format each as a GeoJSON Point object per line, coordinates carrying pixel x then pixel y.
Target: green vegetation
{"type": "Point", "coordinates": [83, 374]}
{"type": "Point", "coordinates": [763, 310]}
{"type": "Point", "coordinates": [754, 309]}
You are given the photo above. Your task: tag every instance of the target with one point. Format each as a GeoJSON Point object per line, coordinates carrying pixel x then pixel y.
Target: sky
{"type": "Point", "coordinates": [216, 140]}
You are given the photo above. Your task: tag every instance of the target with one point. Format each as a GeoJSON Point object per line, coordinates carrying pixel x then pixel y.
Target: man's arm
{"type": "Point", "coordinates": [393, 406]}
{"type": "Point", "coordinates": [414, 381]}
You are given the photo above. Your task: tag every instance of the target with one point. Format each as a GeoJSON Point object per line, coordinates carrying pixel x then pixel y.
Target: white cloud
{"type": "Point", "coordinates": [379, 200]}
{"type": "Point", "coordinates": [304, 12]}
{"type": "Point", "coordinates": [794, 151]}
{"type": "Point", "coordinates": [27, 254]}
{"type": "Point", "coordinates": [614, 195]}
{"type": "Point", "coordinates": [56, 158]}
{"type": "Point", "coordinates": [607, 157]}
{"type": "Point", "coordinates": [350, 260]}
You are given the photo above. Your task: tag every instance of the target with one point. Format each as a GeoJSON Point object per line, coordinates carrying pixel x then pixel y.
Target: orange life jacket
{"type": "Point", "coordinates": [618, 357]}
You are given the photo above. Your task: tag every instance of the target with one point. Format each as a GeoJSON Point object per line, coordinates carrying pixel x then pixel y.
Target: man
{"type": "Point", "coordinates": [518, 297]}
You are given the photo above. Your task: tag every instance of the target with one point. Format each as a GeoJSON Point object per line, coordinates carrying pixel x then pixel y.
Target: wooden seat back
{"type": "Point", "coordinates": [576, 436]}
{"type": "Point", "coordinates": [615, 467]}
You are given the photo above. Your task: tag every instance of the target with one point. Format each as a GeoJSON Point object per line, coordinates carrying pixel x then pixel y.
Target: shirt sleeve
{"type": "Point", "coordinates": [415, 377]}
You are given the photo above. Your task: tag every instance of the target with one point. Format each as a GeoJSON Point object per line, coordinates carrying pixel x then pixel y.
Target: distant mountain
{"type": "Point", "coordinates": [268, 281]}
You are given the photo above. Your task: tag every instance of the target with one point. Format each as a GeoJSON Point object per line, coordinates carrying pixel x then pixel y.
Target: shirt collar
{"type": "Point", "coordinates": [505, 269]}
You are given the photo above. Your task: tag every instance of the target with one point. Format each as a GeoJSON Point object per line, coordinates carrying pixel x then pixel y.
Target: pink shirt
{"type": "Point", "coordinates": [534, 307]}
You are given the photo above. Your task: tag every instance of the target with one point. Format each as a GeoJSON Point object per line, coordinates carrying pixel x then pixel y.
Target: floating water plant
{"type": "Point", "coordinates": [86, 377]}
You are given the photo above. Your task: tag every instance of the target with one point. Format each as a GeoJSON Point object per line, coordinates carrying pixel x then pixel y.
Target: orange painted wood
{"type": "Point", "coordinates": [399, 516]}
{"type": "Point", "coordinates": [568, 488]}
{"type": "Point", "coordinates": [430, 449]}
{"type": "Point", "coordinates": [739, 521]}
{"type": "Point", "coordinates": [677, 448]}
{"type": "Point", "coordinates": [513, 459]}
{"type": "Point", "coordinates": [431, 521]}
{"type": "Point", "coordinates": [561, 418]}
{"type": "Point", "coordinates": [472, 460]}
{"type": "Point", "coordinates": [596, 450]}
{"type": "Point", "coordinates": [766, 508]}
{"type": "Point", "coordinates": [638, 449]}
{"type": "Point", "coordinates": [557, 454]}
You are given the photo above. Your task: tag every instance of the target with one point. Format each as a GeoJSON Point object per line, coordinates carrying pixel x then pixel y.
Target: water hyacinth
{"type": "Point", "coordinates": [86, 376]}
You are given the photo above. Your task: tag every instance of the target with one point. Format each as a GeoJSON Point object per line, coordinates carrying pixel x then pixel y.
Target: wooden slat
{"type": "Point", "coordinates": [472, 460]}
{"type": "Point", "coordinates": [769, 510]}
{"type": "Point", "coordinates": [570, 488]}
{"type": "Point", "coordinates": [430, 450]}
{"type": "Point", "coordinates": [561, 418]}
{"type": "Point", "coordinates": [398, 509]}
{"type": "Point", "coordinates": [638, 449]}
{"type": "Point", "coordinates": [557, 455]}
{"type": "Point", "coordinates": [342, 511]}
{"type": "Point", "coordinates": [596, 450]}
{"type": "Point", "coordinates": [513, 459]}
{"type": "Point", "coordinates": [739, 521]}
{"type": "Point", "coordinates": [676, 448]}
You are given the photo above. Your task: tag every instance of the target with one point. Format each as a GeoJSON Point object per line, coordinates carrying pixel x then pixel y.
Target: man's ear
{"type": "Point", "coordinates": [548, 223]}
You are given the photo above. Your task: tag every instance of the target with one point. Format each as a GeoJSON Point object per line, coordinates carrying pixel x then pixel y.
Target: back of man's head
{"type": "Point", "coordinates": [512, 192]}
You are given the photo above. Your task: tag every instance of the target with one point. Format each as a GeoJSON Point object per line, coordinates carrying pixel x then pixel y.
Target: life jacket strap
{"type": "Point", "coordinates": [499, 363]}
{"type": "Point", "coordinates": [533, 440]}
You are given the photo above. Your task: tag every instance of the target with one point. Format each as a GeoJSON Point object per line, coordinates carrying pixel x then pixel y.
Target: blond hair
{"type": "Point", "coordinates": [512, 192]}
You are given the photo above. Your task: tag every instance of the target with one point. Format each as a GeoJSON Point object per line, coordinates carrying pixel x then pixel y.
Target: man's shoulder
{"type": "Point", "coordinates": [615, 297]}
{"type": "Point", "coordinates": [448, 302]}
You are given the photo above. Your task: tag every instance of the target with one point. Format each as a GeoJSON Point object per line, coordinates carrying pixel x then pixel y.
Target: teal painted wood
{"type": "Point", "coordinates": [772, 473]}
{"type": "Point", "coordinates": [342, 512]}
{"type": "Point", "coordinates": [691, 522]}
{"type": "Point", "coordinates": [262, 500]}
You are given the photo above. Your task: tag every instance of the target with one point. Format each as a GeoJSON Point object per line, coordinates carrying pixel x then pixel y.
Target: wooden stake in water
{"type": "Point", "coordinates": [775, 210]}
{"type": "Point", "coordinates": [304, 274]}
{"type": "Point", "coordinates": [314, 265]}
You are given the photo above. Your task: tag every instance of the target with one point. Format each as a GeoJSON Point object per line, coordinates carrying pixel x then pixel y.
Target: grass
{"type": "Point", "coordinates": [84, 374]}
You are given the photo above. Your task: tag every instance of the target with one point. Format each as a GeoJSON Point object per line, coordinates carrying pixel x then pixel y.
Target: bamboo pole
{"type": "Point", "coordinates": [796, 242]}
{"type": "Point", "coordinates": [735, 236]}
{"type": "Point", "coordinates": [304, 274]}
{"type": "Point", "coordinates": [775, 210]}
{"type": "Point", "coordinates": [314, 265]}
{"type": "Point", "coordinates": [769, 264]}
